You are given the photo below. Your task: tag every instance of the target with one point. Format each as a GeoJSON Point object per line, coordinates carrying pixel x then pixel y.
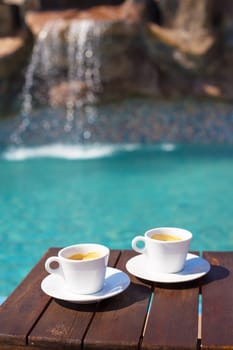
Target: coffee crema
{"type": "Point", "coordinates": [165, 237]}
{"type": "Point", "coordinates": [84, 256]}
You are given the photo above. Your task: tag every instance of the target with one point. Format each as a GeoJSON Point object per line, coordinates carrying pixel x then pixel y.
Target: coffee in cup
{"type": "Point", "coordinates": [86, 256]}
{"type": "Point", "coordinates": [82, 266]}
{"type": "Point", "coordinates": [165, 248]}
{"type": "Point", "coordinates": [165, 237]}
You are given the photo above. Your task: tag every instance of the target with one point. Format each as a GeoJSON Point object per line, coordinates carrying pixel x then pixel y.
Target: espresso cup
{"type": "Point", "coordinates": [165, 248]}
{"type": "Point", "coordinates": [82, 266]}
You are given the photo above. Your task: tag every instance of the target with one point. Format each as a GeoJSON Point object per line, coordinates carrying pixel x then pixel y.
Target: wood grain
{"type": "Point", "coordinates": [24, 306]}
{"type": "Point", "coordinates": [64, 324]}
{"type": "Point", "coordinates": [217, 302]}
{"type": "Point", "coordinates": [118, 322]}
{"type": "Point", "coordinates": [145, 316]}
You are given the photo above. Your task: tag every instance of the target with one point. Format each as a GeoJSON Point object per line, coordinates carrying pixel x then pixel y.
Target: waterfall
{"type": "Point", "coordinates": [84, 61]}
{"type": "Point", "coordinates": [64, 71]}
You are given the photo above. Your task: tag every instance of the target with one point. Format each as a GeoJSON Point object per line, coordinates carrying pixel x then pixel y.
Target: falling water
{"type": "Point", "coordinates": [68, 56]}
{"type": "Point", "coordinates": [83, 69]}
{"type": "Point", "coordinates": [42, 66]}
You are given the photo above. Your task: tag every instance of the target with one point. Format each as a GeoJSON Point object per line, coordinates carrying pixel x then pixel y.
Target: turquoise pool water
{"type": "Point", "coordinates": [57, 195]}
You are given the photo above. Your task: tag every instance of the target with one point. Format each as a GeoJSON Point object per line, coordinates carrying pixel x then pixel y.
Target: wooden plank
{"type": "Point", "coordinates": [217, 302]}
{"type": "Point", "coordinates": [118, 322]}
{"type": "Point", "coordinates": [23, 307]}
{"type": "Point", "coordinates": [64, 324]}
{"type": "Point", "coordinates": [173, 318]}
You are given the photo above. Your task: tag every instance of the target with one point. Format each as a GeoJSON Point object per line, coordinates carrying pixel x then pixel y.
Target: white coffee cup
{"type": "Point", "coordinates": [166, 256]}
{"type": "Point", "coordinates": [81, 276]}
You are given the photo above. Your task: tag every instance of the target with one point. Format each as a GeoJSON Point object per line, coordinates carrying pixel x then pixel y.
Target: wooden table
{"type": "Point", "coordinates": [145, 316]}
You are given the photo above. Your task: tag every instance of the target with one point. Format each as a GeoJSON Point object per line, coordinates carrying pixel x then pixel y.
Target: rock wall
{"type": "Point", "coordinates": [164, 49]}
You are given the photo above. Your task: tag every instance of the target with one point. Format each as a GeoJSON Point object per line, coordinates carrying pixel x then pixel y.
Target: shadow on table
{"type": "Point", "coordinates": [215, 273]}
{"type": "Point", "coordinates": [135, 293]}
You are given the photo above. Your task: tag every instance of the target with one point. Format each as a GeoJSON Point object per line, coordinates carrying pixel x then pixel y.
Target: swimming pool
{"type": "Point", "coordinates": [58, 195]}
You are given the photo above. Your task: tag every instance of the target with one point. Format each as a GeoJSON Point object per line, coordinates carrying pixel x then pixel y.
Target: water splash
{"type": "Point", "coordinates": [70, 152]}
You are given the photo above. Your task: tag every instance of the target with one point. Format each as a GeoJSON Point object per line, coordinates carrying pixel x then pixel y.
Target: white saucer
{"type": "Point", "coordinates": [116, 282]}
{"type": "Point", "coordinates": [195, 267]}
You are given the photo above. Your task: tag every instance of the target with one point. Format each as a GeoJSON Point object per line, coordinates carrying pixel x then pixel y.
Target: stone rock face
{"type": "Point", "coordinates": [192, 47]}
{"type": "Point", "coordinates": [169, 48]}
{"type": "Point", "coordinates": [15, 48]}
{"type": "Point", "coordinates": [12, 53]}
{"type": "Point", "coordinates": [116, 35]}
{"type": "Point", "coordinates": [6, 20]}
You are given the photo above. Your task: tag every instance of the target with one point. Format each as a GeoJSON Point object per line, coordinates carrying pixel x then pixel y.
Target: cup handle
{"type": "Point", "coordinates": [135, 241]}
{"type": "Point", "coordinates": [57, 270]}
